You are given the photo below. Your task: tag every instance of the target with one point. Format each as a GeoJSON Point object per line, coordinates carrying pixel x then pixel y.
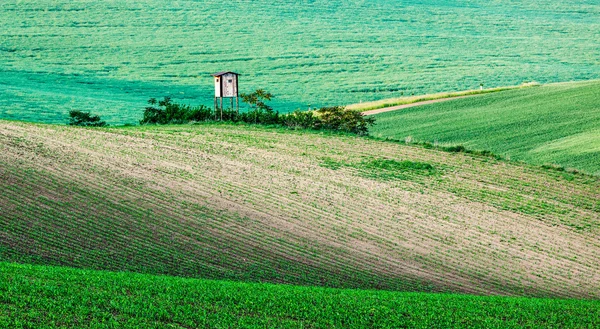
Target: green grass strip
{"type": "Point", "coordinates": [59, 297]}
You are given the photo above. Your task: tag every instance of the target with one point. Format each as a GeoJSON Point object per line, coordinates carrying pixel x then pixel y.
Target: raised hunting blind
{"type": "Point", "coordinates": [226, 86]}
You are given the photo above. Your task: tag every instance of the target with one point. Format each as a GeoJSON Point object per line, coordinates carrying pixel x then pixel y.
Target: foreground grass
{"type": "Point", "coordinates": [551, 124]}
{"type": "Point", "coordinates": [247, 203]}
{"type": "Point", "coordinates": [366, 106]}
{"type": "Point", "coordinates": [58, 297]}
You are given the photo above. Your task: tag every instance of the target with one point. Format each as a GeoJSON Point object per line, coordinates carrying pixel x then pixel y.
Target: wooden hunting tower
{"type": "Point", "coordinates": [226, 86]}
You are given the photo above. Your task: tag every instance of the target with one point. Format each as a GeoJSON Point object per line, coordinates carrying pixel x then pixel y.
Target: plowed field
{"type": "Point", "coordinates": [258, 204]}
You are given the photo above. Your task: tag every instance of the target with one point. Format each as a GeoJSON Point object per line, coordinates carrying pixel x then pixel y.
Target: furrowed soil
{"type": "Point", "coordinates": [257, 204]}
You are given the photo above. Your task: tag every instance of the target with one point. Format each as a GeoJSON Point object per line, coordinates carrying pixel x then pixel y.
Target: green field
{"type": "Point", "coordinates": [250, 203]}
{"type": "Point", "coordinates": [55, 297]}
{"type": "Point", "coordinates": [109, 57]}
{"type": "Point", "coordinates": [551, 124]}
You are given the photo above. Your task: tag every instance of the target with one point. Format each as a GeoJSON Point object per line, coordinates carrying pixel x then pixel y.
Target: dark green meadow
{"type": "Point", "coordinates": [58, 297]}
{"type": "Point", "coordinates": [556, 124]}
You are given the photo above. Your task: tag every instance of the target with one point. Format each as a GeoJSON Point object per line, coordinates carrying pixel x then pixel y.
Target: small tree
{"type": "Point", "coordinates": [262, 111]}
{"type": "Point", "coordinates": [86, 119]}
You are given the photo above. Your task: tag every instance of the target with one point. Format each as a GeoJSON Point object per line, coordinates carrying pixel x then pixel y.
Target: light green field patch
{"type": "Point", "coordinates": [578, 151]}
{"type": "Point", "coordinates": [587, 142]}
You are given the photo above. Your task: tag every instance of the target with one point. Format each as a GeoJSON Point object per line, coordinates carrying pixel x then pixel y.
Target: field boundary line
{"type": "Point", "coordinates": [405, 106]}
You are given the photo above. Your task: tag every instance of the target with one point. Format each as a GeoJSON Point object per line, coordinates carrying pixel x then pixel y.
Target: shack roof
{"type": "Point", "coordinates": [218, 74]}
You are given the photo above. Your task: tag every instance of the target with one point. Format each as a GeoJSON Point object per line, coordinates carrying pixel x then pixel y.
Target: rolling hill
{"type": "Point", "coordinates": [247, 203]}
{"type": "Point", "coordinates": [550, 124]}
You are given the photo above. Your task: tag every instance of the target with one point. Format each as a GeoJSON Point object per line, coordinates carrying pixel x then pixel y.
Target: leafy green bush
{"type": "Point", "coordinates": [169, 112]}
{"type": "Point", "coordinates": [300, 120]}
{"type": "Point", "coordinates": [337, 118]}
{"type": "Point", "coordinates": [342, 119]}
{"type": "Point", "coordinates": [455, 149]}
{"type": "Point", "coordinates": [86, 119]}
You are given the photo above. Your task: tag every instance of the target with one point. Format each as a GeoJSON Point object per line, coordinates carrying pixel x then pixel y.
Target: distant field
{"type": "Point", "coordinates": [551, 124]}
{"type": "Point", "coordinates": [255, 204]}
{"type": "Point", "coordinates": [109, 57]}
{"type": "Point", "coordinates": [53, 297]}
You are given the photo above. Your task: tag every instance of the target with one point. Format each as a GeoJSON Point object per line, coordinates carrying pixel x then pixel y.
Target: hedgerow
{"type": "Point", "coordinates": [336, 118]}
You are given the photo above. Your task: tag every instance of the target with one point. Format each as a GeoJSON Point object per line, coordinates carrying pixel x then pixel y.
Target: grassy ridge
{"type": "Point", "coordinates": [58, 55]}
{"type": "Point", "coordinates": [420, 98]}
{"type": "Point", "coordinates": [56, 297]}
{"type": "Point", "coordinates": [554, 124]}
{"type": "Point", "coordinates": [257, 204]}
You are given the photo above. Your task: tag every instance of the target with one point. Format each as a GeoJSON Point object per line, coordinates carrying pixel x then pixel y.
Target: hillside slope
{"type": "Point", "coordinates": [550, 124]}
{"type": "Point", "coordinates": [247, 203]}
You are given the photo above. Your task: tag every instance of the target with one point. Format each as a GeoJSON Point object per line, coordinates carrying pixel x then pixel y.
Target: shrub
{"type": "Point", "coordinates": [342, 119]}
{"type": "Point", "coordinates": [335, 118]}
{"type": "Point", "coordinates": [86, 119]}
{"type": "Point", "coordinates": [168, 112]}
{"type": "Point", "coordinates": [200, 113]}
{"type": "Point", "coordinates": [456, 149]}
{"type": "Point", "coordinates": [300, 120]}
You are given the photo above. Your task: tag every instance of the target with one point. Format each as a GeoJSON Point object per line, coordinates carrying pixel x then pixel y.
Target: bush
{"type": "Point", "coordinates": [456, 149]}
{"type": "Point", "coordinates": [342, 119]}
{"type": "Point", "coordinates": [200, 113]}
{"type": "Point", "coordinates": [168, 112]}
{"type": "Point", "coordinates": [85, 119]}
{"type": "Point", "coordinates": [300, 120]}
{"type": "Point", "coordinates": [335, 118]}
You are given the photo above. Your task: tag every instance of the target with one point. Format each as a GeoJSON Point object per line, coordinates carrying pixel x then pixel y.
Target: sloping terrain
{"type": "Point", "coordinates": [258, 204]}
{"type": "Point", "coordinates": [550, 124]}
